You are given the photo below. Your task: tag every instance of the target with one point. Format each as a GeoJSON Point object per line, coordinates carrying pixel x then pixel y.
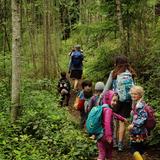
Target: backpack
{"type": "Point", "coordinates": [93, 101]}
{"type": "Point", "coordinates": [123, 84]}
{"type": "Point", "coordinates": [81, 101]}
{"type": "Point", "coordinates": [94, 121]}
{"type": "Point", "coordinates": [76, 59]}
{"type": "Point", "coordinates": [63, 86]}
{"type": "Point", "coordinates": [151, 120]}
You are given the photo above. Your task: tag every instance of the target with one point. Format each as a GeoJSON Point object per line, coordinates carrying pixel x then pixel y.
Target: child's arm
{"type": "Point", "coordinates": [69, 84]}
{"type": "Point", "coordinates": [119, 117]}
{"type": "Point", "coordinates": [108, 83]}
{"type": "Point", "coordinates": [76, 102]}
{"type": "Point", "coordinates": [141, 118]}
{"type": "Point", "coordinates": [107, 118]}
{"type": "Point", "coordinates": [90, 104]}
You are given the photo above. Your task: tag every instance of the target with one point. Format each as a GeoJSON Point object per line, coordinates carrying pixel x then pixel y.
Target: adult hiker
{"type": "Point", "coordinates": [76, 66]}
{"type": "Point", "coordinates": [121, 79]}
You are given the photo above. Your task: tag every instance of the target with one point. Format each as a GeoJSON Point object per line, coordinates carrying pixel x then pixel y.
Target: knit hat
{"type": "Point", "coordinates": [99, 86]}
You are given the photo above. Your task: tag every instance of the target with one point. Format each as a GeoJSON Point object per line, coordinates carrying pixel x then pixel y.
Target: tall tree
{"type": "Point", "coordinates": [120, 24]}
{"type": "Point", "coordinates": [16, 46]}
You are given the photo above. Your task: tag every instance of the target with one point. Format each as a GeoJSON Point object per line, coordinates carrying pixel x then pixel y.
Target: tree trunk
{"type": "Point", "coordinates": [56, 40]}
{"type": "Point", "coordinates": [16, 45]}
{"type": "Point", "coordinates": [120, 24]}
{"type": "Point", "coordinates": [46, 41]}
{"type": "Point", "coordinates": [32, 37]}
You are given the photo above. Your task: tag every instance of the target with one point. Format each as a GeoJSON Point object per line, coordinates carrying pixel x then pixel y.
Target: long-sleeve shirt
{"type": "Point", "coordinates": [108, 85]}
{"type": "Point", "coordinates": [139, 117]}
{"type": "Point", "coordinates": [108, 116]}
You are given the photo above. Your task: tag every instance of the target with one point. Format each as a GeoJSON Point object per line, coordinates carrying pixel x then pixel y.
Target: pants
{"type": "Point", "coordinates": [63, 97]}
{"type": "Point", "coordinates": [82, 118]}
{"type": "Point", "coordinates": [104, 149]}
{"type": "Point", "coordinates": [140, 147]}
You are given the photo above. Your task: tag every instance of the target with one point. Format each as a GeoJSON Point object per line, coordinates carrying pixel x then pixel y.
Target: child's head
{"type": "Point", "coordinates": [87, 88]}
{"type": "Point", "coordinates": [110, 98]}
{"type": "Point", "coordinates": [121, 60]}
{"type": "Point", "coordinates": [99, 86]}
{"type": "Point", "coordinates": [137, 92]}
{"type": "Point", "coordinates": [77, 47]}
{"type": "Point", "coordinates": [121, 65]}
{"type": "Point", "coordinates": [87, 85]}
{"type": "Point", "coordinates": [63, 74]}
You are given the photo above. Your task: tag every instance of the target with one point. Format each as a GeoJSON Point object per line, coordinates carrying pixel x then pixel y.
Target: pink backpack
{"type": "Point", "coordinates": [151, 120]}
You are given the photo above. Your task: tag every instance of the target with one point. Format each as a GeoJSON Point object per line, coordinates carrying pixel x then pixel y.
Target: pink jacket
{"type": "Point", "coordinates": [108, 116]}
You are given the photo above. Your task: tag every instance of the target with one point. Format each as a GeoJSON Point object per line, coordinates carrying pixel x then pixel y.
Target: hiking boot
{"type": "Point", "coordinates": [120, 146]}
{"type": "Point", "coordinates": [115, 145]}
{"type": "Point", "coordinates": [93, 137]}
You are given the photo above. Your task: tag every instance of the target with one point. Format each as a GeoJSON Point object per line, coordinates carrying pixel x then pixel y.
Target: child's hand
{"type": "Point", "coordinates": [130, 127]}
{"type": "Point", "coordinates": [109, 140]}
{"type": "Point", "coordinates": [126, 121]}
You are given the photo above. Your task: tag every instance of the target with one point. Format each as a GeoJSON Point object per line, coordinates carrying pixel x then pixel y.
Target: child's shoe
{"type": "Point", "coordinates": [115, 145]}
{"type": "Point", "coordinates": [92, 137]}
{"type": "Point", "coordinates": [120, 146]}
{"type": "Point", "coordinates": [137, 156]}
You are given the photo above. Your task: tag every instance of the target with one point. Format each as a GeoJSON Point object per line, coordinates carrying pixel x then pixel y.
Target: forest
{"type": "Point", "coordinates": [35, 40]}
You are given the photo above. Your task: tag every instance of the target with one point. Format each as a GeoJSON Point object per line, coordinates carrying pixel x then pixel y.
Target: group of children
{"type": "Point", "coordinates": [138, 133]}
{"type": "Point", "coordinates": [86, 100]}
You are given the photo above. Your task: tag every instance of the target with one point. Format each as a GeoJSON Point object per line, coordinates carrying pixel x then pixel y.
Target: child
{"type": "Point", "coordinates": [138, 132]}
{"type": "Point", "coordinates": [94, 101]}
{"type": "Point", "coordinates": [105, 144]}
{"type": "Point", "coordinates": [81, 100]}
{"type": "Point", "coordinates": [122, 68]}
{"type": "Point", "coordinates": [64, 88]}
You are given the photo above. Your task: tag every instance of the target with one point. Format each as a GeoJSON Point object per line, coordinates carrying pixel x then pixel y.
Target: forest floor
{"type": "Point", "coordinates": [152, 153]}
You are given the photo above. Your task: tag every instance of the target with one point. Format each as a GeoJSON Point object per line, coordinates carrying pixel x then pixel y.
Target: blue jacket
{"type": "Point", "coordinates": [139, 117]}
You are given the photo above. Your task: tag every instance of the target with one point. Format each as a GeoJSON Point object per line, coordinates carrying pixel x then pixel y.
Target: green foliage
{"type": "Point", "coordinates": [4, 95]}
{"type": "Point", "coordinates": [44, 131]}
{"type": "Point", "coordinates": [5, 64]}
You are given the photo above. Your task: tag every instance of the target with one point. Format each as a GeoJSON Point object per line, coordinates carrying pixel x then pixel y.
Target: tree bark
{"type": "Point", "coordinates": [120, 24]}
{"type": "Point", "coordinates": [16, 45]}
{"type": "Point", "coordinates": [46, 41]}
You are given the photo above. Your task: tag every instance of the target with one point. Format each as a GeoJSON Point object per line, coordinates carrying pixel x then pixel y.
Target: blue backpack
{"type": "Point", "coordinates": [94, 121]}
{"type": "Point", "coordinates": [122, 85]}
{"type": "Point", "coordinates": [76, 59]}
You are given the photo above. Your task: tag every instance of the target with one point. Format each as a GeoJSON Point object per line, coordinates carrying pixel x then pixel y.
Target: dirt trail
{"type": "Point", "coordinates": [151, 153]}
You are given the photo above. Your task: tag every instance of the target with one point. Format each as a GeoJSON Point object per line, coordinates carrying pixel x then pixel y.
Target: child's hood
{"type": "Point", "coordinates": [107, 97]}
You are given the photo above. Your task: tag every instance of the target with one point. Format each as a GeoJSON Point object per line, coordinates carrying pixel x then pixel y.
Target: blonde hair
{"type": "Point", "coordinates": [138, 89]}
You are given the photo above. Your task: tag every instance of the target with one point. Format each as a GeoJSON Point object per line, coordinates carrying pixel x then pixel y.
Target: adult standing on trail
{"type": "Point", "coordinates": [76, 66]}
{"type": "Point", "coordinates": [121, 80]}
